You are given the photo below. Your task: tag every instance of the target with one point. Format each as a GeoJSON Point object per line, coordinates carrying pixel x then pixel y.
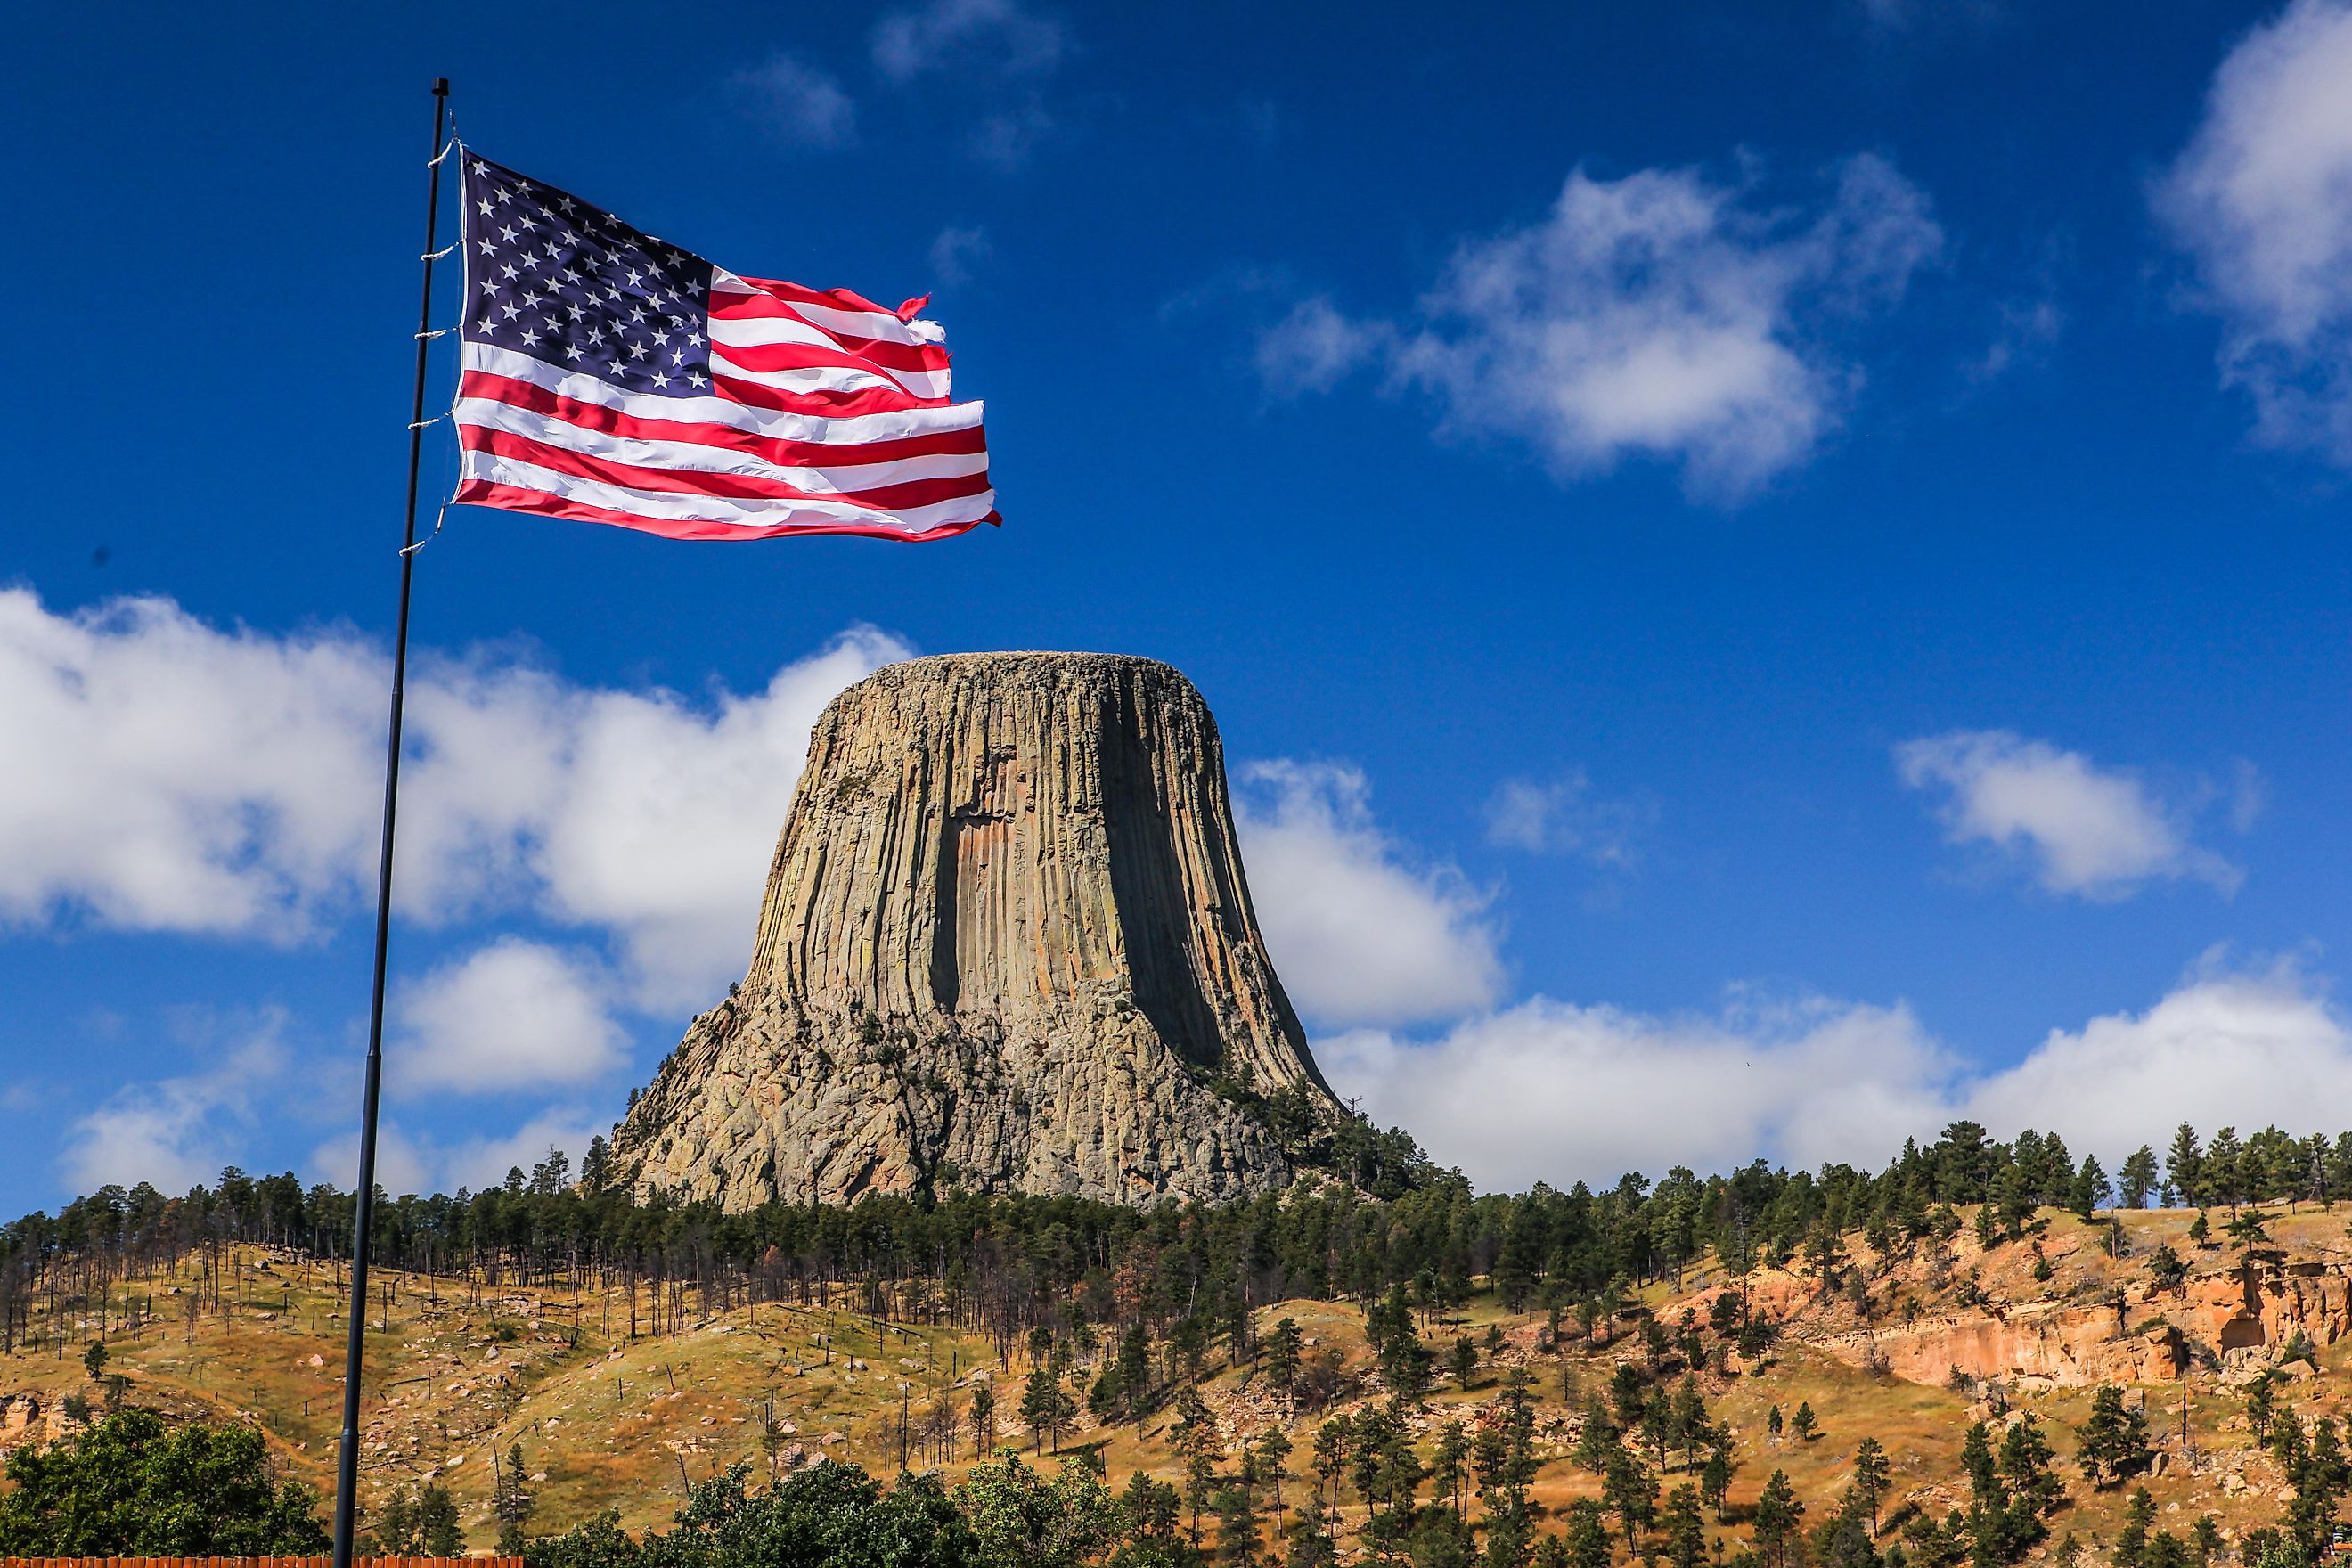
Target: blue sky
{"type": "Point", "coordinates": [1770, 576]}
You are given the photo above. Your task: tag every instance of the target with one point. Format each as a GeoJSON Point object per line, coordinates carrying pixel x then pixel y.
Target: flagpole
{"type": "Point", "coordinates": [347, 1457]}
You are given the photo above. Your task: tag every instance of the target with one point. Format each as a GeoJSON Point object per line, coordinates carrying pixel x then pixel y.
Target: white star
{"type": "Point", "coordinates": [531, 297]}
{"type": "Point", "coordinates": [572, 352]}
{"type": "Point", "coordinates": [529, 339]}
{"type": "Point", "coordinates": [619, 369]}
{"type": "Point", "coordinates": [567, 204]}
{"type": "Point", "coordinates": [611, 293]}
{"type": "Point", "coordinates": [660, 380]}
{"type": "Point", "coordinates": [509, 271]}
{"type": "Point", "coordinates": [511, 312]}
{"type": "Point", "coordinates": [637, 315]}
{"type": "Point", "coordinates": [550, 323]}
{"type": "Point", "coordinates": [506, 231]}
{"type": "Point", "coordinates": [487, 248]}
{"type": "Point", "coordinates": [662, 338]}
{"type": "Point", "coordinates": [595, 336]}
{"type": "Point", "coordinates": [636, 277]}
{"type": "Point", "coordinates": [637, 351]}
{"type": "Point", "coordinates": [489, 287]}
{"type": "Point", "coordinates": [485, 206]}
{"type": "Point", "coordinates": [576, 311]}
{"type": "Point", "coordinates": [694, 378]}
{"type": "Point", "coordinates": [678, 356]}
{"type": "Point", "coordinates": [694, 338]}
{"type": "Point", "coordinates": [486, 325]}
{"type": "Point", "coordinates": [529, 221]}
{"type": "Point", "coordinates": [504, 196]}
{"type": "Point", "coordinates": [480, 167]}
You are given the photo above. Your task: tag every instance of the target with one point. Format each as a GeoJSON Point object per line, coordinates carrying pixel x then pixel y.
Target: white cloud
{"type": "Point", "coordinates": [2262, 201]}
{"type": "Point", "coordinates": [178, 1132]}
{"type": "Point", "coordinates": [2100, 833]}
{"type": "Point", "coordinates": [956, 251]}
{"type": "Point", "coordinates": [657, 817]}
{"type": "Point", "coordinates": [515, 1015]}
{"type": "Point", "coordinates": [164, 775]}
{"type": "Point", "coordinates": [798, 103]}
{"type": "Point", "coordinates": [1660, 315]}
{"type": "Point", "coordinates": [1547, 1090]}
{"type": "Point", "coordinates": [1314, 347]}
{"type": "Point", "coordinates": [1359, 935]}
{"type": "Point", "coordinates": [992, 36]}
{"type": "Point", "coordinates": [167, 775]}
{"type": "Point", "coordinates": [420, 1164]}
{"type": "Point", "coordinates": [1565, 817]}
{"type": "Point", "coordinates": [1550, 1091]}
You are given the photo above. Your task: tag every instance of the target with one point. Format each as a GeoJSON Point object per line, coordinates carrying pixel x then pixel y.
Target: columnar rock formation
{"type": "Point", "coordinates": [1006, 946]}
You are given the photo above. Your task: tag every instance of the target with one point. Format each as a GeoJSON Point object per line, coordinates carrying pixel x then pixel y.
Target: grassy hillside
{"type": "Point", "coordinates": [460, 1370]}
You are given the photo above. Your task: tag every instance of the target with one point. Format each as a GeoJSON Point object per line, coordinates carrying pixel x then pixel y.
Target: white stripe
{"type": "Point", "coordinates": [806, 379]}
{"type": "Point", "coordinates": [695, 457]}
{"type": "Point", "coordinates": [879, 324]}
{"type": "Point", "coordinates": [751, 514]}
{"type": "Point", "coordinates": [847, 430]}
{"type": "Point", "coordinates": [767, 330]}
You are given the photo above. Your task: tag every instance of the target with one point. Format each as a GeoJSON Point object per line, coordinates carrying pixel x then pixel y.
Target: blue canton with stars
{"type": "Point", "coordinates": [549, 276]}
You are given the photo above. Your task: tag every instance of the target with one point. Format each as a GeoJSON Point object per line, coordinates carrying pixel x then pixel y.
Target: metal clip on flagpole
{"type": "Point", "coordinates": [347, 1457]}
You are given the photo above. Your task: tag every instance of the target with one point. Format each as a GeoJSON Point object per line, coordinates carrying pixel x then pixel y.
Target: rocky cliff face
{"type": "Point", "coordinates": [1006, 946]}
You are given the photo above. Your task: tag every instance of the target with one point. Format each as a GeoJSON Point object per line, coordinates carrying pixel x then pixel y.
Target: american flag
{"type": "Point", "coordinates": [615, 378]}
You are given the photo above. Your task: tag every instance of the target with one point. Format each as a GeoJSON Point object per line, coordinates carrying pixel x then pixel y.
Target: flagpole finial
{"type": "Point", "coordinates": [440, 87]}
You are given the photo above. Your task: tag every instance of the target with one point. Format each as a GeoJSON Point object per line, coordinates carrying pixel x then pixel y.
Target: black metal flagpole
{"type": "Point", "coordinates": [347, 1458]}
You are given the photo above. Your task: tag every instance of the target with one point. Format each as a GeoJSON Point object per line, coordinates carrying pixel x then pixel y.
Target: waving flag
{"type": "Point", "coordinates": [615, 378]}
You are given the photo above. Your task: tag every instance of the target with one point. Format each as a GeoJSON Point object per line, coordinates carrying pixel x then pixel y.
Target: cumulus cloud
{"type": "Point", "coordinates": [169, 775]}
{"type": "Point", "coordinates": [988, 37]}
{"type": "Point", "coordinates": [1565, 817]}
{"type": "Point", "coordinates": [1000, 50]}
{"type": "Point", "coordinates": [798, 103]}
{"type": "Point", "coordinates": [408, 1162]}
{"type": "Point", "coordinates": [1314, 347]}
{"type": "Point", "coordinates": [2261, 200]}
{"type": "Point", "coordinates": [1358, 934]}
{"type": "Point", "coordinates": [1551, 1091]}
{"type": "Point", "coordinates": [2099, 833]}
{"type": "Point", "coordinates": [1662, 315]}
{"type": "Point", "coordinates": [1547, 1090]}
{"type": "Point", "coordinates": [178, 1132]}
{"type": "Point", "coordinates": [956, 251]}
{"type": "Point", "coordinates": [165, 776]}
{"type": "Point", "coordinates": [516, 1015]}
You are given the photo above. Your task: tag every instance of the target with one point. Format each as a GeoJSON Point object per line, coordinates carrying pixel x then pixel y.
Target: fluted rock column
{"type": "Point", "coordinates": [1006, 945]}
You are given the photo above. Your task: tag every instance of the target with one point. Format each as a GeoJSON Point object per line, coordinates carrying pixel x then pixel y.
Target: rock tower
{"type": "Point", "coordinates": [1006, 946]}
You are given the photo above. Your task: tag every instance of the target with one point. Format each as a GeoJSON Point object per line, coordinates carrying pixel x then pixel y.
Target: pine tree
{"type": "Point", "coordinates": [1684, 1528]}
{"type": "Point", "coordinates": [2115, 1440]}
{"type": "Point", "coordinates": [1778, 1516]}
{"type": "Point", "coordinates": [1804, 1423]}
{"type": "Point", "coordinates": [1586, 1535]}
{"type": "Point", "coordinates": [511, 1503]}
{"type": "Point", "coordinates": [1630, 1491]}
{"type": "Point", "coordinates": [2138, 1177]}
{"type": "Point", "coordinates": [1871, 1475]}
{"type": "Point", "coordinates": [2185, 1166]}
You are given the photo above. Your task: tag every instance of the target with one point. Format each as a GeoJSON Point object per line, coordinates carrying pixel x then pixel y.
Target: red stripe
{"type": "Point", "coordinates": [693, 482]}
{"type": "Point", "coordinates": [852, 354]}
{"type": "Point", "coordinates": [798, 293]}
{"type": "Point", "coordinates": [764, 357]}
{"type": "Point", "coordinates": [787, 454]}
{"type": "Point", "coordinates": [513, 498]}
{"type": "Point", "coordinates": [760, 307]}
{"type": "Point", "coordinates": [834, 405]}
